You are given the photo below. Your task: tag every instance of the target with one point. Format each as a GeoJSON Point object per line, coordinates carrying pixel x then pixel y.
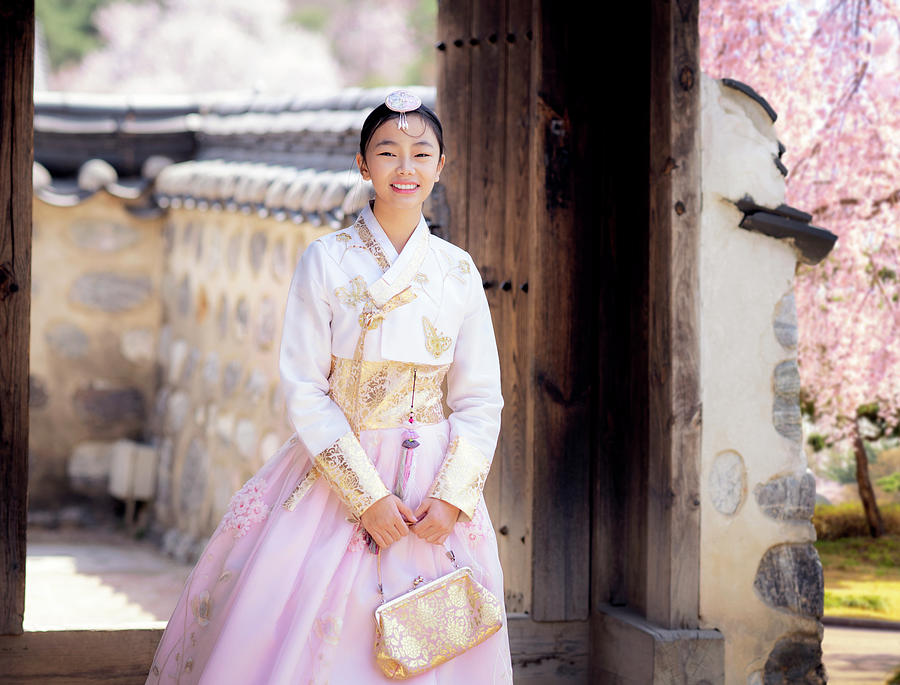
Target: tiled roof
{"type": "Point", "coordinates": [289, 157]}
{"type": "Point", "coordinates": [283, 192]}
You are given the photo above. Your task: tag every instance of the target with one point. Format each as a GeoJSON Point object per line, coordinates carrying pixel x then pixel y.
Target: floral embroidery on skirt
{"type": "Point", "coordinates": [475, 530]}
{"type": "Point", "coordinates": [246, 508]}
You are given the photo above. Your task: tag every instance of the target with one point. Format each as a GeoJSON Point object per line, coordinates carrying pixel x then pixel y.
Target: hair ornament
{"type": "Point", "coordinates": [402, 101]}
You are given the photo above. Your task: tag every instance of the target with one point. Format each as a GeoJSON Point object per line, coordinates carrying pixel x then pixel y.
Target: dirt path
{"type": "Point", "coordinates": [859, 656]}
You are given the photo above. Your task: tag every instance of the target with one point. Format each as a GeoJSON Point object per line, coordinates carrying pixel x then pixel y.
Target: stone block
{"type": "Point", "coordinates": [231, 377]}
{"type": "Point", "coordinates": [184, 296]}
{"type": "Point", "coordinates": [796, 659]}
{"type": "Point", "coordinates": [111, 292]}
{"type": "Point", "coordinates": [211, 371]}
{"type": "Point", "coordinates": [132, 471]}
{"type": "Point", "coordinates": [245, 436]}
{"type": "Point", "coordinates": [785, 323]}
{"type": "Point", "coordinates": [789, 577]}
{"type": "Point", "coordinates": [258, 243]}
{"type": "Point", "coordinates": [178, 352]}
{"type": "Point", "coordinates": [67, 340]}
{"type": "Point", "coordinates": [222, 316]}
{"type": "Point", "coordinates": [256, 386]}
{"type": "Point", "coordinates": [787, 379]}
{"type": "Point", "coordinates": [102, 406]}
{"type": "Point", "coordinates": [103, 235]}
{"type": "Point", "coordinates": [37, 392]}
{"type": "Point", "coordinates": [178, 405]}
{"type": "Point", "coordinates": [136, 345]}
{"type": "Point", "coordinates": [241, 318]}
{"type": "Point", "coordinates": [88, 467]}
{"type": "Point", "coordinates": [788, 497]}
{"type": "Point", "coordinates": [190, 364]}
{"type": "Point", "coordinates": [194, 474]}
{"type": "Point", "coordinates": [267, 323]}
{"type": "Point", "coordinates": [727, 482]}
{"type": "Point", "coordinates": [786, 407]}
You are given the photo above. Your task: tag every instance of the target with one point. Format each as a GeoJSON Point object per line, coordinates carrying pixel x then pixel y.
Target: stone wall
{"type": "Point", "coordinates": [761, 580]}
{"type": "Point", "coordinates": [95, 315]}
{"type": "Point", "coordinates": [219, 412]}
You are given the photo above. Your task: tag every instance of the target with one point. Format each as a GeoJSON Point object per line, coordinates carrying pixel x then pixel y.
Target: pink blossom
{"type": "Point", "coordinates": [832, 71]}
{"type": "Point", "coordinates": [246, 508]}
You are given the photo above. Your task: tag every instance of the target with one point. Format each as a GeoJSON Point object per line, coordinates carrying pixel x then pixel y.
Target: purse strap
{"type": "Point", "coordinates": [418, 580]}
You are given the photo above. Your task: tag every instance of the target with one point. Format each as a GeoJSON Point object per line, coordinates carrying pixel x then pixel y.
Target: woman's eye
{"type": "Point", "coordinates": [385, 154]}
{"type": "Point", "coordinates": [423, 154]}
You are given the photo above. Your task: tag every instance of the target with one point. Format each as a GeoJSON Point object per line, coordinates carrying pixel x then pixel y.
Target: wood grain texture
{"type": "Point", "coordinates": [78, 657]}
{"type": "Point", "coordinates": [549, 653]}
{"type": "Point", "coordinates": [673, 526]}
{"type": "Point", "coordinates": [564, 363]}
{"type": "Point", "coordinates": [620, 205]}
{"type": "Point", "coordinates": [629, 650]}
{"type": "Point", "coordinates": [486, 180]}
{"type": "Point", "coordinates": [16, 156]}
{"type": "Point", "coordinates": [516, 450]}
{"type": "Point", "coordinates": [486, 99]}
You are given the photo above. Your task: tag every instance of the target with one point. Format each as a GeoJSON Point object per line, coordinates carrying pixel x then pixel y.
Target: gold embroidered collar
{"type": "Point", "coordinates": [399, 275]}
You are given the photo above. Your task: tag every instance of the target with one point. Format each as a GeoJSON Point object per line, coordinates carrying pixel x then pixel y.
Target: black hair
{"type": "Point", "coordinates": [384, 113]}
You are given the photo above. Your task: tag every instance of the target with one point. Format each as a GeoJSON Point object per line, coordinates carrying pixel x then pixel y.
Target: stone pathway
{"type": "Point", "coordinates": [859, 656]}
{"type": "Point", "coordinates": [97, 579]}
{"type": "Point", "coordinates": [102, 579]}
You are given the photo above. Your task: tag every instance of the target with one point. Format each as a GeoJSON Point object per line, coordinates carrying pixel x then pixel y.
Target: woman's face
{"type": "Point", "coordinates": [402, 165]}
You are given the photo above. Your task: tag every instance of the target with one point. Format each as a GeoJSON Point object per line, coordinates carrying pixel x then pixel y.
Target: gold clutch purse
{"type": "Point", "coordinates": [433, 623]}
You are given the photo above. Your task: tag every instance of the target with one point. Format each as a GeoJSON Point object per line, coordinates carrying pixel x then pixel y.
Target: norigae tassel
{"type": "Point", "coordinates": [409, 444]}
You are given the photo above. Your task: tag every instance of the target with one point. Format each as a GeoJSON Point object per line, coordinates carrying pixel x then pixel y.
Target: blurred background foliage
{"type": "Point", "coordinates": [283, 46]}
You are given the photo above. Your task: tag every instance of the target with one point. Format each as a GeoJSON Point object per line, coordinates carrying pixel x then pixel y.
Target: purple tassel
{"type": "Point", "coordinates": [409, 444]}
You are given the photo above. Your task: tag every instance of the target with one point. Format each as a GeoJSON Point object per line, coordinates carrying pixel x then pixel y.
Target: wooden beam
{"type": "Point", "coordinates": [549, 653]}
{"type": "Point", "coordinates": [16, 157]}
{"type": "Point", "coordinates": [542, 653]}
{"type": "Point", "coordinates": [78, 657]}
{"type": "Point", "coordinates": [629, 650]}
{"type": "Point", "coordinates": [673, 513]}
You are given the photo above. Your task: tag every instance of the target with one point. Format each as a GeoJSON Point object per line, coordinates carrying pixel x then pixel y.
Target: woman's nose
{"type": "Point", "coordinates": [405, 166]}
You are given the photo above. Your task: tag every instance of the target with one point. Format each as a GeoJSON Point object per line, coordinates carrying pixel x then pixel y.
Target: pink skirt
{"type": "Point", "coordinates": [284, 597]}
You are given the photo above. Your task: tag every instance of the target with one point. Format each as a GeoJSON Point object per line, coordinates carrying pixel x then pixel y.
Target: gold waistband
{"type": "Point", "coordinates": [382, 398]}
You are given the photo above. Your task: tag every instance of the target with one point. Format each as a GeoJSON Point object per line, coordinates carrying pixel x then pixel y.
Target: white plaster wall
{"type": "Point", "coordinates": [743, 275]}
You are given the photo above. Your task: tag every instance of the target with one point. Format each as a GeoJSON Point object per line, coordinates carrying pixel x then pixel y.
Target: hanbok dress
{"type": "Point", "coordinates": [286, 589]}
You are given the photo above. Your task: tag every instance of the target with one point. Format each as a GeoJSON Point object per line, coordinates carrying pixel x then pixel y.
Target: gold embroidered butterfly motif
{"type": "Point", "coordinates": [355, 293]}
{"type": "Point", "coordinates": [435, 342]}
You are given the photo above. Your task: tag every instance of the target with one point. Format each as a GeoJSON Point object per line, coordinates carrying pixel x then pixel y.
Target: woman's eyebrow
{"type": "Point", "coordinates": [388, 141]}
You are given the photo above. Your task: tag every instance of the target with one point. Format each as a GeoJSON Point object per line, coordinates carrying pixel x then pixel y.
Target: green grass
{"type": "Point", "coordinates": [862, 576]}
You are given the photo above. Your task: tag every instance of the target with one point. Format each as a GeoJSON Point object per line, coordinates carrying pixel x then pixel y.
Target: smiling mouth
{"type": "Point", "coordinates": [405, 187]}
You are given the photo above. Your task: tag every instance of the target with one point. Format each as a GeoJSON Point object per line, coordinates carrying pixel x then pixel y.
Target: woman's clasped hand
{"type": "Point", "coordinates": [390, 519]}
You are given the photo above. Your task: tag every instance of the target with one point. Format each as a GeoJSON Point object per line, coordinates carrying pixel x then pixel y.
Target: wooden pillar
{"type": "Point", "coordinates": [16, 155]}
{"type": "Point", "coordinates": [673, 515]}
{"type": "Point", "coordinates": [564, 363]}
{"type": "Point", "coordinates": [485, 100]}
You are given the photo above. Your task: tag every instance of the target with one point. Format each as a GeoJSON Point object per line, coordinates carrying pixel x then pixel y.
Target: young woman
{"type": "Point", "coordinates": [378, 314]}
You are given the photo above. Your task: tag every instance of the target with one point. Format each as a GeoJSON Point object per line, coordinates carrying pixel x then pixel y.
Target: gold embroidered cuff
{"type": "Point", "coordinates": [461, 478]}
{"type": "Point", "coordinates": [351, 474]}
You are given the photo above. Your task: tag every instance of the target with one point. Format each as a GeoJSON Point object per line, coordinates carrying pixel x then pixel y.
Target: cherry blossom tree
{"type": "Point", "coordinates": [831, 68]}
{"type": "Point", "coordinates": [190, 46]}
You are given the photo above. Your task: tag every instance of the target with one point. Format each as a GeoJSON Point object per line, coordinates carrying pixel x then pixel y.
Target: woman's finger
{"type": "Point", "coordinates": [406, 512]}
{"type": "Point", "coordinates": [423, 508]}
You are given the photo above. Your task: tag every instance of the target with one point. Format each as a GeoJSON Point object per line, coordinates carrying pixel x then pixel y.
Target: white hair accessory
{"type": "Point", "coordinates": [402, 101]}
